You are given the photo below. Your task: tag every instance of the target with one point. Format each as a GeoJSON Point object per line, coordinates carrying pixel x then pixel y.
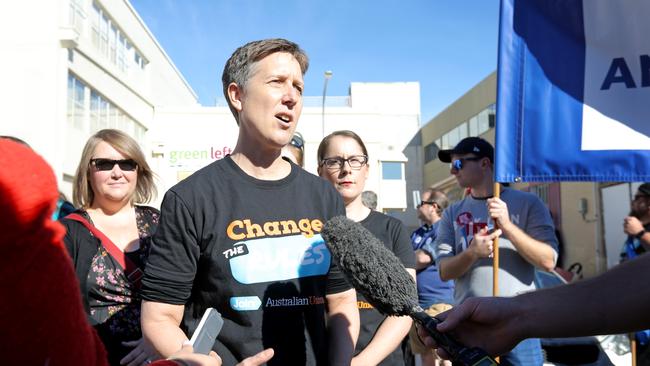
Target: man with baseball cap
{"type": "Point", "coordinates": [464, 245]}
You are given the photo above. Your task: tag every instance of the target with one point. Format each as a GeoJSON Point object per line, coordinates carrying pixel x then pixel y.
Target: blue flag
{"type": "Point", "coordinates": [573, 94]}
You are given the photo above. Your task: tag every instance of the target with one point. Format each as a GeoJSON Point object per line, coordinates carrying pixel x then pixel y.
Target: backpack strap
{"type": "Point", "coordinates": [132, 271]}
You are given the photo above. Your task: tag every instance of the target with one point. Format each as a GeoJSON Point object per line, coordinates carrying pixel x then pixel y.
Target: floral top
{"type": "Point", "coordinates": [115, 301]}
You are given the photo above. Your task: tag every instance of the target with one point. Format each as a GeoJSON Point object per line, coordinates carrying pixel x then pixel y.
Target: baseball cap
{"type": "Point", "coordinates": [468, 145]}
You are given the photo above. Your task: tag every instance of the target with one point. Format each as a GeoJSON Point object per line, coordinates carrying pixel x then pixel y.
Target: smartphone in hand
{"type": "Point", "coordinates": [206, 333]}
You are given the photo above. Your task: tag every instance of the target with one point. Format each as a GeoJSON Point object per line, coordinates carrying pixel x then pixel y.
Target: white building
{"type": "Point", "coordinates": [73, 67]}
{"type": "Point", "coordinates": [385, 115]}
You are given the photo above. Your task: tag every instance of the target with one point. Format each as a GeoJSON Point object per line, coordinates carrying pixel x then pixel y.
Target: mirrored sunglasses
{"type": "Point", "coordinates": [459, 163]}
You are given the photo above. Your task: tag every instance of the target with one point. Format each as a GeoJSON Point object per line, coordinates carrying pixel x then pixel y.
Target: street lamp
{"type": "Point", "coordinates": [328, 75]}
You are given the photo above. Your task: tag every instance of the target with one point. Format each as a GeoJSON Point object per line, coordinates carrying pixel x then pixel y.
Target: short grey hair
{"type": "Point", "coordinates": [369, 199]}
{"type": "Point", "coordinates": [239, 66]}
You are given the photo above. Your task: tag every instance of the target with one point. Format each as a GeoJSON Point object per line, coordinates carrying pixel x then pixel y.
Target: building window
{"type": "Point", "coordinates": [77, 15]}
{"type": "Point", "coordinates": [541, 191]}
{"type": "Point", "coordinates": [95, 102]}
{"type": "Point", "coordinates": [76, 102]}
{"type": "Point", "coordinates": [462, 130]}
{"type": "Point", "coordinates": [103, 34]}
{"type": "Point", "coordinates": [94, 25]}
{"type": "Point", "coordinates": [102, 113]}
{"type": "Point", "coordinates": [121, 52]}
{"type": "Point", "coordinates": [112, 43]}
{"type": "Point", "coordinates": [483, 122]}
{"type": "Point", "coordinates": [492, 111]}
{"type": "Point", "coordinates": [430, 152]}
{"type": "Point", "coordinates": [391, 170]}
{"type": "Point", "coordinates": [473, 126]}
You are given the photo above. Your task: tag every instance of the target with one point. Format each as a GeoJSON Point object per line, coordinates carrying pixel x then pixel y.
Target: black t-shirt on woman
{"type": "Point", "coordinates": [252, 249]}
{"type": "Point", "coordinates": [391, 232]}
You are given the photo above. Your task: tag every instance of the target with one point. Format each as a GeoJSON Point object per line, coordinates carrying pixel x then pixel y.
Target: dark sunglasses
{"type": "Point", "coordinates": [108, 164]}
{"type": "Point", "coordinates": [422, 203]}
{"type": "Point", "coordinates": [459, 163]}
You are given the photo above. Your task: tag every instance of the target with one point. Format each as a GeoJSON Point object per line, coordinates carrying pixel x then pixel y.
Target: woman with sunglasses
{"type": "Point", "coordinates": [343, 161]}
{"type": "Point", "coordinates": [108, 238]}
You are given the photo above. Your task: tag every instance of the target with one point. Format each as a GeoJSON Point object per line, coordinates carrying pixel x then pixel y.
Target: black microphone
{"type": "Point", "coordinates": [377, 273]}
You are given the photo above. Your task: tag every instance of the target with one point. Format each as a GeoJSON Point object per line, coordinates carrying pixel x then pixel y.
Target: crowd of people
{"type": "Point", "coordinates": [242, 236]}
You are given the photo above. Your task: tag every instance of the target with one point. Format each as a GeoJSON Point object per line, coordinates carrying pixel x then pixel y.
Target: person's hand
{"type": "Point", "coordinates": [141, 354]}
{"type": "Point", "coordinates": [482, 245]}
{"type": "Point", "coordinates": [632, 225]}
{"type": "Point", "coordinates": [187, 357]}
{"type": "Point", "coordinates": [498, 211]}
{"type": "Point", "coordinates": [259, 359]}
{"type": "Point", "coordinates": [493, 324]}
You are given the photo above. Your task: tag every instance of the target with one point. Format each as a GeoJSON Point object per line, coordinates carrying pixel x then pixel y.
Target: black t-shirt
{"type": "Point", "coordinates": [252, 249]}
{"type": "Point", "coordinates": [391, 232]}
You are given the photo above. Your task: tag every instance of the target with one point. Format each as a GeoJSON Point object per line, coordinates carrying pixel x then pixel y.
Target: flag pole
{"type": "Point", "coordinates": [495, 250]}
{"type": "Point", "coordinates": [633, 348]}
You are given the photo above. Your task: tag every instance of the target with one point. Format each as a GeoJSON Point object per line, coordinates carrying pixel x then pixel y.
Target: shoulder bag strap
{"type": "Point", "coordinates": [132, 271]}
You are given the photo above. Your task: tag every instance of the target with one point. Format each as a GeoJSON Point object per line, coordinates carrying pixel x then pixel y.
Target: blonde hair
{"type": "Point", "coordinates": [82, 192]}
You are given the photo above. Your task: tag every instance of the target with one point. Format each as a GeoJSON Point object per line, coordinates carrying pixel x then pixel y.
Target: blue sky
{"type": "Point", "coordinates": [447, 46]}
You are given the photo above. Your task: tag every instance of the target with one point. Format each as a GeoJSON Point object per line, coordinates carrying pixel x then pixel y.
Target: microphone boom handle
{"type": "Point", "coordinates": [459, 353]}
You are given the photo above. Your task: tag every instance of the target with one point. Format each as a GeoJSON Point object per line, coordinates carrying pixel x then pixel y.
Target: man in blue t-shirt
{"type": "Point", "coordinates": [435, 295]}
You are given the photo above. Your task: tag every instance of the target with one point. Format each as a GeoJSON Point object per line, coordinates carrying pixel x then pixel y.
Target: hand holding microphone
{"type": "Point", "coordinates": [377, 274]}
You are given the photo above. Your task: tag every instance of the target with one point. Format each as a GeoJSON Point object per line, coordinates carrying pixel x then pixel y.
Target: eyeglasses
{"type": "Point", "coordinates": [108, 164]}
{"type": "Point", "coordinates": [459, 163]}
{"type": "Point", "coordinates": [422, 203]}
{"type": "Point", "coordinates": [336, 163]}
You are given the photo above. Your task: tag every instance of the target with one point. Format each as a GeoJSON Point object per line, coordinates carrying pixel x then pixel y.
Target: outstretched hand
{"type": "Point", "coordinates": [258, 359]}
{"type": "Point", "coordinates": [493, 324]}
{"type": "Point", "coordinates": [187, 357]}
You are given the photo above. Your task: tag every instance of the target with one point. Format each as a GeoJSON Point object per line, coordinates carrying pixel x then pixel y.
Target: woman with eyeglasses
{"type": "Point", "coordinates": [109, 237]}
{"type": "Point", "coordinates": [343, 161]}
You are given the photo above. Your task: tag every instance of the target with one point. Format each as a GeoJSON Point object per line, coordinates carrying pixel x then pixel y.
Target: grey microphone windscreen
{"type": "Point", "coordinates": [372, 269]}
{"type": "Point", "coordinates": [376, 272]}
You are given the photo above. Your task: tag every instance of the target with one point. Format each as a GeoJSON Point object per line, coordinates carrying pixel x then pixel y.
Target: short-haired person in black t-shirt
{"type": "Point", "coordinates": [343, 160]}
{"type": "Point", "coordinates": [242, 235]}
